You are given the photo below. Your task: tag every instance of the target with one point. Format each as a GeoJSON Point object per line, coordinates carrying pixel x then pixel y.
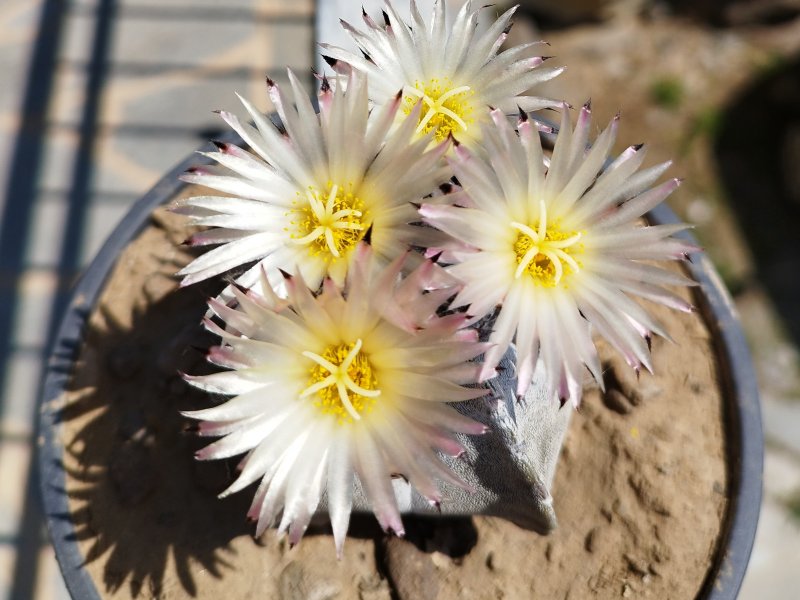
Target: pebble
{"type": "Point", "coordinates": [295, 583]}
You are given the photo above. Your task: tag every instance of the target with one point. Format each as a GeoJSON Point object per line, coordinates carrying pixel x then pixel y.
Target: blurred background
{"type": "Point", "coordinates": [99, 98]}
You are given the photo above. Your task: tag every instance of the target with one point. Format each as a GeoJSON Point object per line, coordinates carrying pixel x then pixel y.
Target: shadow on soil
{"type": "Point", "coordinates": [758, 153]}
{"type": "Point", "coordinates": [138, 499]}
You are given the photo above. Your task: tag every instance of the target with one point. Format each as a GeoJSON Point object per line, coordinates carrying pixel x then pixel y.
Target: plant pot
{"type": "Point", "coordinates": [163, 532]}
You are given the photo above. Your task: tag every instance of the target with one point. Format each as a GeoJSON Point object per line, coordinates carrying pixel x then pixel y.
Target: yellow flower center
{"type": "Point", "coordinates": [342, 381]}
{"type": "Point", "coordinates": [329, 223]}
{"type": "Point", "coordinates": [446, 109]}
{"type": "Point", "coordinates": [545, 252]}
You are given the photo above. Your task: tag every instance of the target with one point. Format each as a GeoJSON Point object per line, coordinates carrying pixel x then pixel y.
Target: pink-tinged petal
{"type": "Point", "coordinates": [444, 416]}
{"type": "Point", "coordinates": [558, 174]}
{"type": "Point", "coordinates": [376, 479]}
{"type": "Point", "coordinates": [215, 236]}
{"type": "Point", "coordinates": [587, 169]}
{"type": "Point", "coordinates": [230, 383]}
{"type": "Point", "coordinates": [464, 374]}
{"type": "Point", "coordinates": [265, 456]}
{"type": "Point", "coordinates": [405, 457]}
{"type": "Point", "coordinates": [436, 438]}
{"type": "Point", "coordinates": [430, 388]}
{"type": "Point", "coordinates": [340, 488]}
{"type": "Point", "coordinates": [265, 398]}
{"type": "Point", "coordinates": [274, 499]}
{"type": "Point", "coordinates": [224, 258]}
{"type": "Point", "coordinates": [305, 485]}
{"type": "Point", "coordinates": [527, 345]}
{"type": "Point", "coordinates": [241, 440]}
{"type": "Point", "coordinates": [638, 206]}
{"type": "Point", "coordinates": [503, 330]}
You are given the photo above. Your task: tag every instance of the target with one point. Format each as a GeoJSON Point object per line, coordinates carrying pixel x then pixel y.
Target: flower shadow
{"type": "Point", "coordinates": [139, 504]}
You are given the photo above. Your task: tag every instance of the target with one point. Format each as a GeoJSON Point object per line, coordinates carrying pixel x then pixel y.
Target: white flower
{"type": "Point", "coordinates": [340, 384]}
{"type": "Point", "coordinates": [306, 198]}
{"type": "Point", "coordinates": [456, 72]}
{"type": "Point", "coordinates": [560, 247]}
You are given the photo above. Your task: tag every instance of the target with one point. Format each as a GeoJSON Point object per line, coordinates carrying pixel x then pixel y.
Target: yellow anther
{"type": "Point", "coordinates": [329, 223]}
{"type": "Point", "coordinates": [447, 109]}
{"type": "Point", "coordinates": [544, 251]}
{"type": "Point", "coordinates": [343, 381]}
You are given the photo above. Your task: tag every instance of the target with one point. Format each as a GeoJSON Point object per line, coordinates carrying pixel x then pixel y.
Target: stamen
{"type": "Point", "coordinates": [447, 109]}
{"type": "Point", "coordinates": [454, 92]}
{"type": "Point", "coordinates": [331, 242]}
{"type": "Point", "coordinates": [321, 385]}
{"type": "Point", "coordinates": [526, 260]}
{"type": "Point", "coordinates": [325, 364]}
{"type": "Point", "coordinates": [542, 219]}
{"type": "Point", "coordinates": [526, 230]}
{"type": "Point", "coordinates": [554, 260]}
{"type": "Point", "coordinates": [346, 387]}
{"type": "Point", "coordinates": [544, 251]}
{"type": "Point", "coordinates": [329, 224]}
{"type": "Point", "coordinates": [345, 399]}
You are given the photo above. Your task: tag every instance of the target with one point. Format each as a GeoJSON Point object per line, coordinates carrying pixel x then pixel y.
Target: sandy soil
{"type": "Point", "coordinates": [640, 491]}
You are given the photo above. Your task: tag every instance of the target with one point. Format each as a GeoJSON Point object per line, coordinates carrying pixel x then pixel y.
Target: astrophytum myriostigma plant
{"type": "Point", "coordinates": [343, 347]}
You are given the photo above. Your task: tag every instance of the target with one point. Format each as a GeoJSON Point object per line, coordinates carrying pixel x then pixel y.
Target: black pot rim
{"type": "Point", "coordinates": [743, 410]}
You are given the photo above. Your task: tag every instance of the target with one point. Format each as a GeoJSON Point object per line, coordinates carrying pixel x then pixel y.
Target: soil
{"type": "Point", "coordinates": [640, 491]}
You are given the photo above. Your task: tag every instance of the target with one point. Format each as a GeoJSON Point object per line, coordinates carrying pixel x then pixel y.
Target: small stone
{"type": "Point", "coordinates": [627, 591]}
{"type": "Point", "coordinates": [296, 584]}
{"type": "Point", "coordinates": [490, 561]}
{"type": "Point", "coordinates": [413, 571]}
{"type": "Point", "coordinates": [441, 560]}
